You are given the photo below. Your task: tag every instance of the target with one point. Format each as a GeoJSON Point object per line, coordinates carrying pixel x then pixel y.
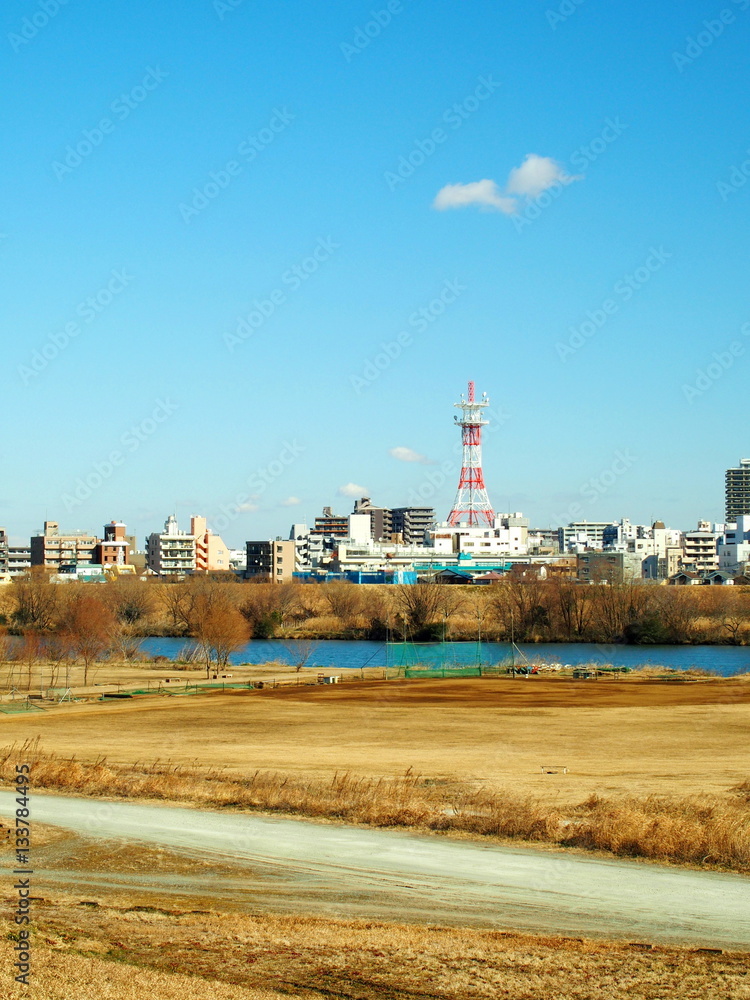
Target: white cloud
{"type": "Point", "coordinates": [484, 193]}
{"type": "Point", "coordinates": [248, 507]}
{"type": "Point", "coordinates": [352, 490]}
{"type": "Point", "coordinates": [536, 174]}
{"type": "Point", "coordinates": [291, 502]}
{"type": "Point", "coordinates": [408, 455]}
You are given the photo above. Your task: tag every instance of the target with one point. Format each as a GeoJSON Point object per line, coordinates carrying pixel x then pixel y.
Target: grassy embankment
{"type": "Point", "coordinates": [708, 830]}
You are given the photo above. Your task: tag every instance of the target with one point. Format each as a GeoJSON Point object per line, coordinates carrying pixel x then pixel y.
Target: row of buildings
{"type": "Point", "coordinates": [70, 555]}
{"type": "Point", "coordinates": [375, 544]}
{"type": "Point", "coordinates": [352, 547]}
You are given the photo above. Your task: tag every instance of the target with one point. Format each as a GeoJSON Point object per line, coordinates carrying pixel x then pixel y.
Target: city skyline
{"type": "Point", "coordinates": [221, 272]}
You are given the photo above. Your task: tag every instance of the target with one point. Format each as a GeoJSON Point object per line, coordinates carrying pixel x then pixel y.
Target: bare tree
{"type": "Point", "coordinates": [36, 602]}
{"type": "Point", "coordinates": [420, 606]}
{"type": "Point", "coordinates": [219, 629]}
{"type": "Point", "coordinates": [300, 651]}
{"type": "Point", "coordinates": [88, 629]}
{"type": "Point", "coordinates": [344, 601]}
{"type": "Point", "coordinates": [30, 652]}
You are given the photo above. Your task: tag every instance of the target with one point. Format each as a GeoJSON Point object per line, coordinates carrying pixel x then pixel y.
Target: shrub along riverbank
{"type": "Point", "coordinates": [221, 614]}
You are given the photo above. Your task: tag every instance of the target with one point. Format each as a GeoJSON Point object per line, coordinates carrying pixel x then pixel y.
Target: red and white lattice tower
{"type": "Point", "coordinates": [472, 505]}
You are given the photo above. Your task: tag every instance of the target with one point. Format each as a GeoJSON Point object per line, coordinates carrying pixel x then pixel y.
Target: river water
{"type": "Point", "coordinates": [725, 661]}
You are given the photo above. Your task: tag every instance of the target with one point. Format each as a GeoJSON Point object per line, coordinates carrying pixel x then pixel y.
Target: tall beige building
{"type": "Point", "coordinates": [177, 553]}
{"type": "Point", "coordinates": [52, 549]}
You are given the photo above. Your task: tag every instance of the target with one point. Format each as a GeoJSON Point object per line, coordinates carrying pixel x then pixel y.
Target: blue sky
{"type": "Point", "coordinates": [189, 167]}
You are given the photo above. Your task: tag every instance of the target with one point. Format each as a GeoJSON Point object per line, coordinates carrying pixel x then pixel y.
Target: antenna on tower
{"type": "Point", "coordinates": [472, 503]}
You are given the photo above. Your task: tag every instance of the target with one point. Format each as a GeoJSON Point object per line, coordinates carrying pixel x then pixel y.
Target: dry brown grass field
{"type": "Point", "coordinates": [118, 950]}
{"type": "Point", "coordinates": [615, 737]}
{"type": "Point", "coordinates": [650, 768]}
{"type": "Point", "coordinates": [654, 768]}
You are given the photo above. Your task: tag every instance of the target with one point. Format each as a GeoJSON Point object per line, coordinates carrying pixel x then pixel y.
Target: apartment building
{"type": "Point", "coordinates": [737, 490]}
{"type": "Point", "coordinates": [19, 559]}
{"type": "Point", "coordinates": [330, 524]}
{"type": "Point", "coordinates": [412, 524]}
{"type": "Point", "coordinates": [211, 553]}
{"type": "Point", "coordinates": [700, 548]}
{"type": "Point", "coordinates": [177, 553]}
{"type": "Point", "coordinates": [114, 548]}
{"type": "Point", "coordinates": [273, 560]}
{"type": "Point", "coordinates": [580, 536]}
{"type": "Point", "coordinates": [608, 567]}
{"type": "Point", "coordinates": [52, 549]}
{"type": "Point", "coordinates": [381, 519]}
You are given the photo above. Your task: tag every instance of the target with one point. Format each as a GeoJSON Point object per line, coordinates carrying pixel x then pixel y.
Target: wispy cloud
{"type": "Point", "coordinates": [352, 490]}
{"type": "Point", "coordinates": [409, 455]}
{"type": "Point", "coordinates": [484, 193]}
{"type": "Point", "coordinates": [291, 502]}
{"type": "Point", "coordinates": [534, 176]}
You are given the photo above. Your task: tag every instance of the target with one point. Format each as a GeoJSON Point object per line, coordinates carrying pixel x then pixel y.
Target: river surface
{"type": "Point", "coordinates": [353, 654]}
{"type": "Point", "coordinates": [299, 866]}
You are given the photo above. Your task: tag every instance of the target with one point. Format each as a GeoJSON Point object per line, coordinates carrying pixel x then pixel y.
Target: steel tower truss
{"type": "Point", "coordinates": [472, 505]}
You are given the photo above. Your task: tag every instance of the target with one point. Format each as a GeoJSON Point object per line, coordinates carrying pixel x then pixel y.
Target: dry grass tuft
{"type": "Point", "coordinates": [122, 952]}
{"type": "Point", "coordinates": [700, 830]}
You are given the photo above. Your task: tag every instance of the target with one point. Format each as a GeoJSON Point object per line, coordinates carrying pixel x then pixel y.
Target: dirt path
{"type": "Point", "coordinates": [296, 866]}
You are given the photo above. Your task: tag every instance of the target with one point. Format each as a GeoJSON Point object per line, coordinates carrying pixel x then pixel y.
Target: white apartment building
{"type": "Point", "coordinates": [701, 552]}
{"type": "Point", "coordinates": [734, 546]}
{"type": "Point", "coordinates": [582, 536]}
{"type": "Point", "coordinates": [170, 552]}
{"type": "Point", "coordinates": [659, 548]}
{"type": "Point", "coordinates": [177, 553]}
{"type": "Point", "coordinates": [508, 536]}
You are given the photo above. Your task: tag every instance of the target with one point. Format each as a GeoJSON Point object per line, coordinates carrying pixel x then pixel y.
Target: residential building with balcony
{"type": "Point", "coordinates": [272, 560]}
{"type": "Point", "coordinates": [19, 559]}
{"type": "Point", "coordinates": [700, 548]}
{"type": "Point", "coordinates": [381, 519]}
{"type": "Point", "coordinates": [582, 536]}
{"type": "Point", "coordinates": [330, 524]}
{"type": "Point", "coordinates": [212, 555]}
{"type": "Point", "coordinates": [170, 552]}
{"type": "Point", "coordinates": [412, 524]}
{"type": "Point", "coordinates": [737, 490]}
{"type": "Point", "coordinates": [51, 549]}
